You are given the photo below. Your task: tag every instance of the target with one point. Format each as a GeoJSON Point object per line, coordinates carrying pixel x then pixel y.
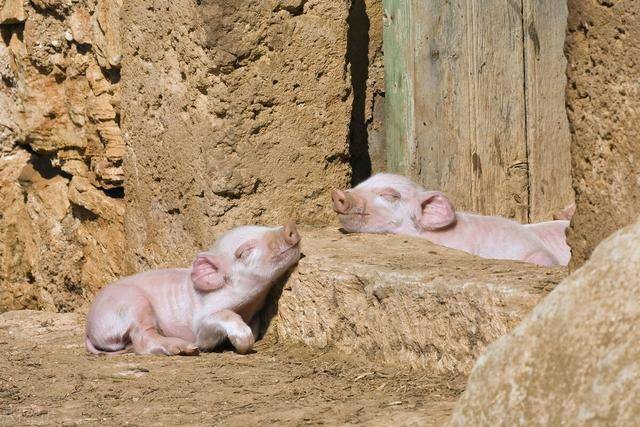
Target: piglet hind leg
{"type": "Point", "coordinates": [214, 328]}
{"type": "Point", "coordinates": [122, 319]}
{"type": "Point", "coordinates": [146, 339]}
{"type": "Point", "coordinates": [542, 259]}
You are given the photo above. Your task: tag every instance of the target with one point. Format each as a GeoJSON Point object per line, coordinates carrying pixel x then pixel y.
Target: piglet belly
{"type": "Point", "coordinates": [175, 319]}
{"type": "Point", "coordinates": [174, 304]}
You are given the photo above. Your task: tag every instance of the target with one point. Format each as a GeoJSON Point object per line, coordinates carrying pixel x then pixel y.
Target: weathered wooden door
{"type": "Point", "coordinates": [475, 102]}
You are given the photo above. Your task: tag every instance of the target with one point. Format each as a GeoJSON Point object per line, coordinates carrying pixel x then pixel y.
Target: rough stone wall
{"type": "Point", "coordinates": [603, 104]}
{"type": "Point", "coordinates": [60, 151]}
{"type": "Point", "coordinates": [233, 112]}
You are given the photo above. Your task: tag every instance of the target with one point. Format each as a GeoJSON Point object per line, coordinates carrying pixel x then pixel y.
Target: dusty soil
{"type": "Point", "coordinates": [47, 378]}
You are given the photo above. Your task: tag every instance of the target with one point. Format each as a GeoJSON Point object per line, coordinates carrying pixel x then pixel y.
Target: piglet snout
{"type": "Point", "coordinates": [341, 202]}
{"type": "Point", "coordinates": [291, 235]}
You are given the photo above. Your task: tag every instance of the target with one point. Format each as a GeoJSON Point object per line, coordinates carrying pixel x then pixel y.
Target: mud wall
{"type": "Point", "coordinates": [603, 105]}
{"type": "Point", "coordinates": [61, 152]}
{"type": "Point", "coordinates": [233, 113]}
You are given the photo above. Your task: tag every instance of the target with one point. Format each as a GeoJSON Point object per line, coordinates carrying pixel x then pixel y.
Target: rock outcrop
{"type": "Point", "coordinates": [575, 359]}
{"type": "Point", "coordinates": [403, 300]}
{"type": "Point", "coordinates": [61, 152]}
{"type": "Point", "coordinates": [234, 113]}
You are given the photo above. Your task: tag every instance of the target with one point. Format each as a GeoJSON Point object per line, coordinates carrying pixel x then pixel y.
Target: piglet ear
{"type": "Point", "coordinates": [437, 211]}
{"type": "Point", "coordinates": [207, 273]}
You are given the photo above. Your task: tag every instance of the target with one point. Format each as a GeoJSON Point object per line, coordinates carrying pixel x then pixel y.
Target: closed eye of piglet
{"type": "Point", "coordinates": [390, 195]}
{"type": "Point", "coordinates": [244, 250]}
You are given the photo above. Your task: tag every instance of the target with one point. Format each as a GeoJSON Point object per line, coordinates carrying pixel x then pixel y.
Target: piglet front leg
{"type": "Point", "coordinates": [213, 329]}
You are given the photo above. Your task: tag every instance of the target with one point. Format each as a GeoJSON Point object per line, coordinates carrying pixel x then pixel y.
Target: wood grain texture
{"type": "Point", "coordinates": [470, 105]}
{"type": "Point", "coordinates": [548, 137]}
{"type": "Point", "coordinates": [399, 79]}
{"type": "Point", "coordinates": [461, 122]}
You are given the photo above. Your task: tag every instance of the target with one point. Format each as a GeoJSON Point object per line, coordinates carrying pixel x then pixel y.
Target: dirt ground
{"type": "Point", "coordinates": [47, 378]}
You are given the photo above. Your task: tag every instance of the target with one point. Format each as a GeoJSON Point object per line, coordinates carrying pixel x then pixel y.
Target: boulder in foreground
{"type": "Point", "coordinates": [575, 359]}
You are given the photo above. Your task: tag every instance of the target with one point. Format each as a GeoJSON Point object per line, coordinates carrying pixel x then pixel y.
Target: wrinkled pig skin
{"type": "Point", "coordinates": [183, 311]}
{"type": "Point", "coordinates": [388, 203]}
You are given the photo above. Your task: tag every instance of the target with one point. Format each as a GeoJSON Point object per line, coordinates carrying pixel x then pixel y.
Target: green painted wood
{"type": "Point", "coordinates": [399, 78]}
{"type": "Point", "coordinates": [458, 102]}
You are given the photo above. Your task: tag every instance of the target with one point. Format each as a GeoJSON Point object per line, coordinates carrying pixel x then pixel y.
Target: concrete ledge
{"type": "Point", "coordinates": [403, 300]}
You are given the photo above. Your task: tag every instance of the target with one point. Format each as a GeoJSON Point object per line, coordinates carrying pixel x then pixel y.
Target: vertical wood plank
{"type": "Point", "coordinates": [399, 78]}
{"type": "Point", "coordinates": [444, 93]}
{"type": "Point", "coordinates": [548, 136]}
{"type": "Point", "coordinates": [469, 104]}
{"type": "Point", "coordinates": [475, 102]}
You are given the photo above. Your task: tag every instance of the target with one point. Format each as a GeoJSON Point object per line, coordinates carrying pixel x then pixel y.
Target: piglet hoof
{"type": "Point", "coordinates": [189, 350]}
{"type": "Point", "coordinates": [244, 346]}
{"type": "Point", "coordinates": [243, 340]}
{"type": "Point", "coordinates": [179, 347]}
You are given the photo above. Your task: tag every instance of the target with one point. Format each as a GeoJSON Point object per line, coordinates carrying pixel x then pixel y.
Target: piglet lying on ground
{"type": "Point", "coordinates": [182, 311]}
{"type": "Point", "coordinates": [387, 203]}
